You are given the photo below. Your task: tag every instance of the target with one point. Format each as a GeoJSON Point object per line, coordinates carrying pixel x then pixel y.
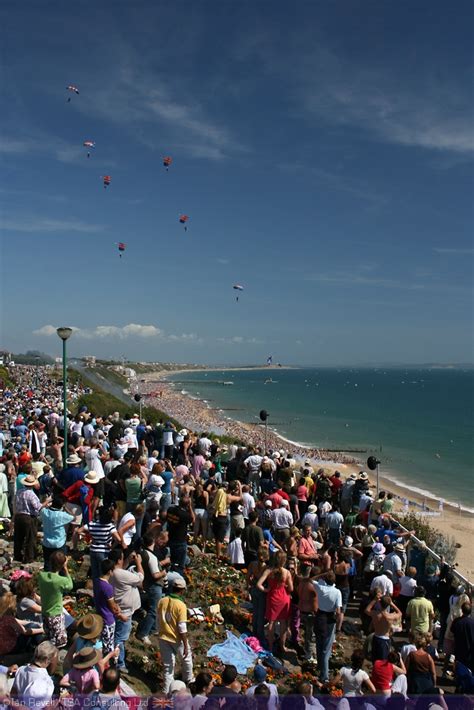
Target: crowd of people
{"type": "Point", "coordinates": [134, 494]}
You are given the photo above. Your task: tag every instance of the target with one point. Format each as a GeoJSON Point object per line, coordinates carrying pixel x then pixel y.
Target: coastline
{"type": "Point", "coordinates": [453, 521]}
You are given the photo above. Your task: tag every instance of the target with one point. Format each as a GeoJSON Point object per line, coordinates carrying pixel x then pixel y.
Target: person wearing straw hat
{"type": "Point", "coordinates": [84, 493]}
{"type": "Point", "coordinates": [83, 676]}
{"type": "Point", "coordinates": [27, 507]}
{"type": "Point", "coordinates": [88, 631]}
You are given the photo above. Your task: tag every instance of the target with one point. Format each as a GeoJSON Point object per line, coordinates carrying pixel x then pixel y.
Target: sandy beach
{"type": "Point", "coordinates": [198, 416]}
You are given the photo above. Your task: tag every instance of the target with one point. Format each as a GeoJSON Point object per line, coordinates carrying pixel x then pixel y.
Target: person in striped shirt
{"type": "Point", "coordinates": [102, 533]}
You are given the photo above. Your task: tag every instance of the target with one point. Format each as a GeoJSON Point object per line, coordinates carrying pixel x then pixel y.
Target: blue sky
{"type": "Point", "coordinates": [322, 150]}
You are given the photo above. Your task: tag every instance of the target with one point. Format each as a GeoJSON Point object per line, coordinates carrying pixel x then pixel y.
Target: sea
{"type": "Point", "coordinates": [418, 422]}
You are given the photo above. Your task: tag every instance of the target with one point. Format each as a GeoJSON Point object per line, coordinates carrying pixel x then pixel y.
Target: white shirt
{"type": "Point", "coordinates": [253, 463]}
{"type": "Point", "coordinates": [151, 462]}
{"type": "Point", "coordinates": [204, 444]}
{"type": "Point", "coordinates": [383, 583]}
{"type": "Point", "coordinates": [311, 519]}
{"type": "Point", "coordinates": [235, 551]}
{"type": "Point", "coordinates": [88, 431]}
{"type": "Point", "coordinates": [248, 504]}
{"type": "Point", "coordinates": [407, 585]}
{"type": "Point", "coordinates": [282, 518]}
{"type": "Point", "coordinates": [329, 596]}
{"type": "Point", "coordinates": [34, 686]}
{"type": "Point", "coordinates": [334, 520]}
{"type": "Point", "coordinates": [352, 682]}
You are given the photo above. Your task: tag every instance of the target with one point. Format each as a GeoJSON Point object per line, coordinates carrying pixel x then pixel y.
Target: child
{"type": "Point", "coordinates": [83, 676]}
{"type": "Point", "coordinates": [235, 551]}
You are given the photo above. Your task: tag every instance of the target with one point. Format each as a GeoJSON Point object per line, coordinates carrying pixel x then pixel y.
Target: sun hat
{"type": "Point", "coordinates": [73, 459]}
{"type": "Point", "coordinates": [183, 432]}
{"type": "Point", "coordinates": [259, 673]}
{"type": "Point", "coordinates": [312, 508]}
{"type": "Point", "coordinates": [352, 477]}
{"type": "Point", "coordinates": [378, 548]}
{"type": "Point", "coordinates": [268, 503]}
{"type": "Point", "coordinates": [176, 686]}
{"type": "Point", "coordinates": [363, 476]}
{"type": "Point", "coordinates": [348, 541]}
{"type": "Point", "coordinates": [276, 455]}
{"type": "Point", "coordinates": [90, 626]}
{"type": "Point", "coordinates": [284, 503]}
{"type": "Point", "coordinates": [29, 481]}
{"type": "Point", "coordinates": [92, 477]}
{"type": "Point", "coordinates": [372, 529]}
{"type": "Point", "coordinates": [85, 658]}
{"type": "Point", "coordinates": [399, 547]}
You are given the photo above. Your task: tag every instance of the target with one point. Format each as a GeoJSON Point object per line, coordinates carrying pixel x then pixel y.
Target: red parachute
{"type": "Point", "coordinates": [73, 89]}
{"type": "Point", "coordinates": [167, 162]}
{"type": "Point", "coordinates": [183, 219]}
{"type": "Point", "coordinates": [121, 247]}
{"type": "Point", "coordinates": [106, 179]}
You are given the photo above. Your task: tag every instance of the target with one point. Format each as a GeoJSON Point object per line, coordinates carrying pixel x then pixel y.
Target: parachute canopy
{"type": "Point", "coordinates": [106, 179]}
{"type": "Point", "coordinates": [238, 287]}
{"type": "Point", "coordinates": [72, 88]}
{"type": "Point", "coordinates": [121, 246]}
{"type": "Point", "coordinates": [90, 145]}
{"type": "Point", "coordinates": [183, 218]}
{"type": "Point", "coordinates": [167, 160]}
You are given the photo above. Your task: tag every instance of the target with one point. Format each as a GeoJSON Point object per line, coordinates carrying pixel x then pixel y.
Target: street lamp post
{"type": "Point", "coordinates": [64, 334]}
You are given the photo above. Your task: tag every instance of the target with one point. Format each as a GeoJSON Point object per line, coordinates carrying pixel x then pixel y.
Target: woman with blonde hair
{"type": "Point", "coordinates": [278, 603]}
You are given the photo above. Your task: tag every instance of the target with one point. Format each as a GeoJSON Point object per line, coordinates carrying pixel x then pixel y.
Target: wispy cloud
{"type": "Point", "coordinates": [137, 95]}
{"type": "Point", "coordinates": [423, 113]}
{"type": "Point", "coordinates": [454, 250]}
{"type": "Point", "coordinates": [131, 330]}
{"type": "Point", "coordinates": [360, 279]}
{"type": "Point", "coordinates": [43, 224]}
{"type": "Point", "coordinates": [239, 340]}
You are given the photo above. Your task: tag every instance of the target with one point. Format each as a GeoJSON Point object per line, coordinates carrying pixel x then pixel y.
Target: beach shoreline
{"type": "Point", "coordinates": [452, 521]}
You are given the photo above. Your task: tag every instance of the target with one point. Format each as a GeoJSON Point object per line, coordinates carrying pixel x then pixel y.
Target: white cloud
{"type": "Point", "coordinates": [45, 330]}
{"type": "Point", "coordinates": [129, 331]}
{"type": "Point", "coordinates": [42, 224]}
{"type": "Point", "coordinates": [239, 340]}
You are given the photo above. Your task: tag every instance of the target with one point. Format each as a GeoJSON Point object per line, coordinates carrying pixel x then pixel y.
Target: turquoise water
{"type": "Point", "coordinates": [419, 422]}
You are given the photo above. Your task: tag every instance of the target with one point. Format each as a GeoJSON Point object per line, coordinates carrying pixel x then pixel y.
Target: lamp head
{"type": "Point", "coordinates": [263, 415]}
{"type": "Point", "coordinates": [64, 333]}
{"type": "Point", "coordinates": [372, 463]}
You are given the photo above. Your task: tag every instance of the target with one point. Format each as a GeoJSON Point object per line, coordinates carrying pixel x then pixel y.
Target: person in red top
{"type": "Point", "coordinates": [276, 500]}
{"type": "Point", "coordinates": [383, 672]}
{"type": "Point", "coordinates": [283, 494]}
{"type": "Point", "coordinates": [336, 485]}
{"type": "Point", "coordinates": [308, 548]}
{"type": "Point", "coordinates": [84, 493]}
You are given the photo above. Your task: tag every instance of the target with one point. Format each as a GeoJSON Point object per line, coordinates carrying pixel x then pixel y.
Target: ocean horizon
{"type": "Point", "coordinates": [418, 421]}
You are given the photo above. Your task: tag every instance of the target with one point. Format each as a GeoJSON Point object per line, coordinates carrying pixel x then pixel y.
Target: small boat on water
{"type": "Point", "coordinates": [270, 382]}
{"type": "Point", "coordinates": [227, 383]}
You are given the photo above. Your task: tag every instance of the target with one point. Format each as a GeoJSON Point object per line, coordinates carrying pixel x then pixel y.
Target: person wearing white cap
{"type": "Point", "coordinates": [311, 518]}
{"type": "Point", "coordinates": [346, 494]}
{"type": "Point", "coordinates": [173, 635]}
{"type": "Point", "coordinates": [282, 521]}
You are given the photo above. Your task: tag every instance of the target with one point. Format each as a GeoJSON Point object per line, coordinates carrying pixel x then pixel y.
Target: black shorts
{"type": "Point", "coordinates": [219, 527]}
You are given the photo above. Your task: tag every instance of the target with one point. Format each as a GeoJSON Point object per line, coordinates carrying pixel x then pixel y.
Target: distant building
{"type": "Point", "coordinates": [5, 357]}
{"type": "Point", "coordinates": [129, 372]}
{"type": "Point", "coordinates": [90, 360]}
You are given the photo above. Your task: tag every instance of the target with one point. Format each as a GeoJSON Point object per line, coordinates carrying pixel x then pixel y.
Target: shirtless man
{"type": "Point", "coordinates": [383, 621]}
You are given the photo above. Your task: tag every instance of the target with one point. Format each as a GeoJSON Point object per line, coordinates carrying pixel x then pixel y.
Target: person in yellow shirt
{"type": "Point", "coordinates": [173, 635]}
{"type": "Point", "coordinates": [420, 612]}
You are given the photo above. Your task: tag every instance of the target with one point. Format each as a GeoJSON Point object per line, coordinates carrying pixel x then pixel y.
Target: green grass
{"type": "Point", "coordinates": [102, 404]}
{"type": "Point", "coordinates": [111, 375]}
{"type": "Point", "coordinates": [5, 376]}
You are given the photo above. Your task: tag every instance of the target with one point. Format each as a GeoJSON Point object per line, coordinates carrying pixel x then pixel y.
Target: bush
{"type": "Point", "coordinates": [442, 545]}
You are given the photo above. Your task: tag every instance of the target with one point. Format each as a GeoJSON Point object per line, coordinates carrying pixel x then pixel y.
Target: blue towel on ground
{"type": "Point", "coordinates": [234, 652]}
